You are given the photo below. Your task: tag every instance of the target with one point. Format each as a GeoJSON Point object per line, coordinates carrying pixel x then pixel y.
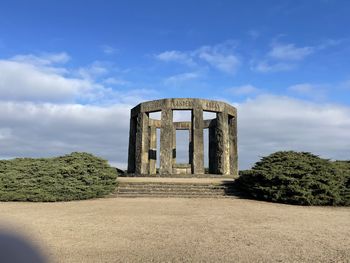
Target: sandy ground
{"type": "Point", "coordinates": [182, 230]}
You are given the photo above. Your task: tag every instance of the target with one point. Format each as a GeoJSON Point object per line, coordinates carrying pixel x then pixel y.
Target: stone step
{"type": "Point", "coordinates": [185, 188]}
{"type": "Point", "coordinates": [167, 194]}
{"type": "Point", "coordinates": [148, 187]}
{"type": "Point", "coordinates": [162, 192]}
{"type": "Point", "coordinates": [172, 187]}
{"type": "Point", "coordinates": [175, 183]}
{"type": "Point", "coordinates": [173, 190]}
{"type": "Point", "coordinates": [179, 175]}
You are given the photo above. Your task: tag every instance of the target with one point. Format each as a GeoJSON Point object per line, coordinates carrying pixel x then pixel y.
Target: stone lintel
{"type": "Point", "coordinates": [184, 104]}
{"type": "Point", "coordinates": [155, 123]}
{"type": "Point", "coordinates": [182, 125]}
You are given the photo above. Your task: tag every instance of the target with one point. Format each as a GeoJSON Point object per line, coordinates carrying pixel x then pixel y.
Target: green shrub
{"type": "Point", "coordinates": [71, 177]}
{"type": "Point", "coordinates": [297, 178]}
{"type": "Point", "coordinates": [344, 169]}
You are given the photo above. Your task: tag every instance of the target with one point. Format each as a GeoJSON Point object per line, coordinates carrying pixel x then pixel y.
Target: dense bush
{"type": "Point", "coordinates": [71, 177]}
{"type": "Point", "coordinates": [344, 169]}
{"type": "Point", "coordinates": [297, 178]}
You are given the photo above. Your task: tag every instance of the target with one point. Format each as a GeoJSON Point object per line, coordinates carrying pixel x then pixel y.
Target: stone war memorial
{"type": "Point", "coordinates": [222, 135]}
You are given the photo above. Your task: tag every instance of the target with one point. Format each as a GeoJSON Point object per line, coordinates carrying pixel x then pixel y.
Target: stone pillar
{"type": "Point", "coordinates": [174, 145]}
{"type": "Point", "coordinates": [212, 151]}
{"type": "Point", "coordinates": [197, 140]}
{"type": "Point", "coordinates": [142, 144]}
{"type": "Point", "coordinates": [166, 142]}
{"type": "Point", "coordinates": [152, 150]}
{"type": "Point", "coordinates": [132, 143]}
{"type": "Point", "coordinates": [222, 139]}
{"type": "Point", "coordinates": [233, 146]}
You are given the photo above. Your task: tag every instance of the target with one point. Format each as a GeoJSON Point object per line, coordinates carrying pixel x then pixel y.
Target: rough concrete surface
{"type": "Point", "coordinates": [182, 230]}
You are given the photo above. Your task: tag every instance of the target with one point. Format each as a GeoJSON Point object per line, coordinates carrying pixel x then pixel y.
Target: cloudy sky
{"type": "Point", "coordinates": [70, 71]}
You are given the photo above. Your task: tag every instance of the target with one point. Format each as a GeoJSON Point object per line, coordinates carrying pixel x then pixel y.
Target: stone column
{"type": "Point", "coordinates": [132, 141]}
{"type": "Point", "coordinates": [174, 145]}
{"type": "Point", "coordinates": [152, 150]}
{"type": "Point", "coordinates": [222, 139]}
{"type": "Point", "coordinates": [166, 142]}
{"type": "Point", "coordinates": [142, 144]}
{"type": "Point", "coordinates": [197, 140]}
{"type": "Point", "coordinates": [233, 146]}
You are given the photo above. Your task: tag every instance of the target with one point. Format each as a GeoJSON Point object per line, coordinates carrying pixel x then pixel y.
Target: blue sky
{"type": "Point", "coordinates": [102, 57]}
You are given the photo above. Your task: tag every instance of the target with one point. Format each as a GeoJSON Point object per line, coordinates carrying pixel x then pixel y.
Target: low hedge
{"type": "Point", "coordinates": [297, 178]}
{"type": "Point", "coordinates": [74, 176]}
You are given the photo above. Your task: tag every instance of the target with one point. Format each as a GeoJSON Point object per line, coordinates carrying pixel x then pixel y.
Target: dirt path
{"type": "Point", "coordinates": [183, 230]}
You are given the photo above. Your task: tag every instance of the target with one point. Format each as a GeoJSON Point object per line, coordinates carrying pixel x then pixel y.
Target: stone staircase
{"type": "Point", "coordinates": [174, 188]}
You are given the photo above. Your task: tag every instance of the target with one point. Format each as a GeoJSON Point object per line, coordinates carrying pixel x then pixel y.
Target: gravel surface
{"type": "Point", "coordinates": [182, 230]}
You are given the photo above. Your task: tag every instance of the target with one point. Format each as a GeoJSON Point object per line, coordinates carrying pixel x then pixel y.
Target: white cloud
{"type": "Point", "coordinates": [313, 91]}
{"type": "Point", "coordinates": [289, 51]}
{"type": "Point", "coordinates": [267, 66]}
{"type": "Point", "coordinates": [44, 59]}
{"type": "Point", "coordinates": [38, 79]}
{"type": "Point", "coordinates": [45, 111]}
{"type": "Point", "coordinates": [24, 81]}
{"type": "Point", "coordinates": [181, 78]}
{"type": "Point", "coordinates": [282, 57]}
{"type": "Point", "coordinates": [115, 81]}
{"type": "Point", "coordinates": [221, 57]}
{"type": "Point", "coordinates": [175, 56]}
{"type": "Point", "coordinates": [244, 90]}
{"type": "Point", "coordinates": [228, 63]}
{"type": "Point", "coordinates": [92, 71]}
{"type": "Point", "coordinates": [272, 123]}
{"type": "Point", "coordinates": [37, 130]}
{"type": "Point", "coordinates": [303, 88]}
